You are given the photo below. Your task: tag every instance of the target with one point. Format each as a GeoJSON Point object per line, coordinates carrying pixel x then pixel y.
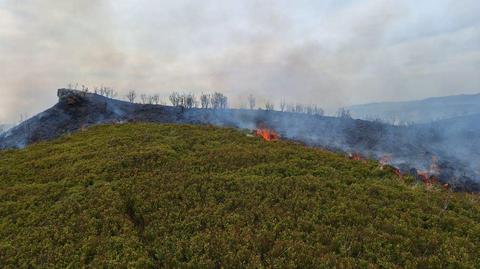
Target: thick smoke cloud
{"type": "Point", "coordinates": [332, 53]}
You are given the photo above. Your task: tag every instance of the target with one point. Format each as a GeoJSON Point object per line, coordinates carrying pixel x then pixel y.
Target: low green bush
{"type": "Point", "coordinates": [167, 196]}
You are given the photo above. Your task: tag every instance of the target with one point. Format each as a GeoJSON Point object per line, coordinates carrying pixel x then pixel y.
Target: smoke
{"type": "Point", "coordinates": [331, 53]}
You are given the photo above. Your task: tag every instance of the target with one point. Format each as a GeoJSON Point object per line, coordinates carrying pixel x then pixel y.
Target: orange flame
{"type": "Point", "coordinates": [355, 156]}
{"type": "Point", "coordinates": [267, 134]}
{"type": "Point", "coordinates": [429, 177]}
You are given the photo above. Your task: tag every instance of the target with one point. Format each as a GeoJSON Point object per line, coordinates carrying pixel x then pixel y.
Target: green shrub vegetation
{"type": "Point", "coordinates": [169, 196]}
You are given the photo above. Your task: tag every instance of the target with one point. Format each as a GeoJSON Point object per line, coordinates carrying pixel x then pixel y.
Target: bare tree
{"type": "Point", "coordinates": [102, 90]}
{"type": "Point", "coordinates": [283, 105]}
{"type": "Point", "coordinates": [309, 109]}
{"type": "Point", "coordinates": [131, 96]}
{"type": "Point", "coordinates": [318, 111]}
{"type": "Point", "coordinates": [189, 100]}
{"type": "Point", "coordinates": [290, 108]}
{"type": "Point", "coordinates": [175, 98]}
{"type": "Point", "coordinates": [205, 100]}
{"type": "Point", "coordinates": [145, 98]}
{"type": "Point", "coordinates": [105, 91]}
{"type": "Point", "coordinates": [215, 101]}
{"type": "Point", "coordinates": [223, 102]}
{"type": "Point", "coordinates": [72, 86]}
{"type": "Point", "coordinates": [251, 101]}
{"type": "Point", "coordinates": [344, 113]}
{"type": "Point", "coordinates": [219, 101]}
{"type": "Point", "coordinates": [111, 93]}
{"type": "Point", "coordinates": [299, 108]}
{"type": "Point", "coordinates": [155, 99]}
{"type": "Point", "coordinates": [269, 105]}
{"type": "Point", "coordinates": [85, 89]}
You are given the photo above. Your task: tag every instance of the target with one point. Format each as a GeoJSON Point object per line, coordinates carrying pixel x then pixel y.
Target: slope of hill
{"type": "Point", "coordinates": [420, 111]}
{"type": "Point", "coordinates": [149, 195]}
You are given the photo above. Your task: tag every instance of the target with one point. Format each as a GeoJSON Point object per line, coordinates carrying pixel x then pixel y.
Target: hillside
{"type": "Point", "coordinates": [409, 148]}
{"type": "Point", "coordinates": [150, 195]}
{"type": "Point", "coordinates": [419, 111]}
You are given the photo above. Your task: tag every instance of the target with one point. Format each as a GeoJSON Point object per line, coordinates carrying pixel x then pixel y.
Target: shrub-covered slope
{"type": "Point", "coordinates": [147, 195]}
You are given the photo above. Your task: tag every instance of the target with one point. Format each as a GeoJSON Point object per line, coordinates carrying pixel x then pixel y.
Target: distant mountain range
{"type": "Point", "coordinates": [419, 111]}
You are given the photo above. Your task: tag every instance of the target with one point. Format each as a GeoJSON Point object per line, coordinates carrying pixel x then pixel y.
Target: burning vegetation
{"type": "Point", "coordinates": [267, 134]}
{"type": "Point", "coordinates": [356, 156]}
{"type": "Point", "coordinates": [429, 178]}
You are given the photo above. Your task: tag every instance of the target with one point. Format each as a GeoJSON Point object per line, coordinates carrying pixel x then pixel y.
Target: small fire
{"type": "Point", "coordinates": [385, 163]}
{"type": "Point", "coordinates": [356, 157]}
{"type": "Point", "coordinates": [267, 134]}
{"type": "Point", "coordinates": [430, 176]}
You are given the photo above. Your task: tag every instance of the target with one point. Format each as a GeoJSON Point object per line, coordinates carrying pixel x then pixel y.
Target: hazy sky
{"type": "Point", "coordinates": [331, 53]}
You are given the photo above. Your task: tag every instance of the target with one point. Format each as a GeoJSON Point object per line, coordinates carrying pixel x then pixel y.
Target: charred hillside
{"type": "Point", "coordinates": [411, 148]}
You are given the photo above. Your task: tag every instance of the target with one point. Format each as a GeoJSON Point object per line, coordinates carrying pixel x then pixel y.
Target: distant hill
{"type": "Point", "coordinates": [182, 196]}
{"type": "Point", "coordinates": [458, 124]}
{"type": "Point", "coordinates": [421, 111]}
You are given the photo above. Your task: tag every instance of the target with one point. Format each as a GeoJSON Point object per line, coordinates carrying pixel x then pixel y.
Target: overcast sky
{"type": "Point", "coordinates": [332, 53]}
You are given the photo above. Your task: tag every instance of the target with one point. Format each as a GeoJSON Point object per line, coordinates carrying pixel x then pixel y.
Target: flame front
{"type": "Point", "coordinates": [268, 135]}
